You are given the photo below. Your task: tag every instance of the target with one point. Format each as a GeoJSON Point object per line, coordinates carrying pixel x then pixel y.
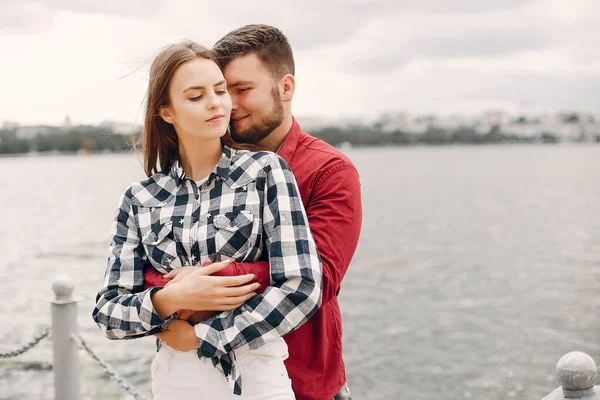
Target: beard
{"type": "Point", "coordinates": [263, 128]}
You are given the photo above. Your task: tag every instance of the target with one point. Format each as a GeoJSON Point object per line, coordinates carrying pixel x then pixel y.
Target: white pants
{"type": "Point", "coordinates": [184, 376]}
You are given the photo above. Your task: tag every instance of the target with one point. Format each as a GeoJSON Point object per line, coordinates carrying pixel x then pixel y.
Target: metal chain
{"type": "Point", "coordinates": [28, 346]}
{"type": "Point", "coordinates": [108, 369]}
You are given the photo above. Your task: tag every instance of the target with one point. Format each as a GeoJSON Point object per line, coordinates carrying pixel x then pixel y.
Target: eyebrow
{"type": "Point", "coordinates": [241, 83]}
{"type": "Point", "coordinates": [202, 87]}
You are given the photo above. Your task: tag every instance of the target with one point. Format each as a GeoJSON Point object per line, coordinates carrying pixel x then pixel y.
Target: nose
{"type": "Point", "coordinates": [213, 101]}
{"type": "Point", "coordinates": [234, 102]}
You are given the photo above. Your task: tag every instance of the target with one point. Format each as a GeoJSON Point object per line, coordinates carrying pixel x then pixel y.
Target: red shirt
{"type": "Point", "coordinates": [330, 190]}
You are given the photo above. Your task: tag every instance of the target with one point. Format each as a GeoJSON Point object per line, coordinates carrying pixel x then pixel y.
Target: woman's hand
{"type": "Point", "coordinates": [178, 274]}
{"type": "Point", "coordinates": [199, 291]}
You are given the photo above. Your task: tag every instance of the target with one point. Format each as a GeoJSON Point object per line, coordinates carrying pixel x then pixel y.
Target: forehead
{"type": "Point", "coordinates": [246, 68]}
{"type": "Point", "coordinates": [196, 72]}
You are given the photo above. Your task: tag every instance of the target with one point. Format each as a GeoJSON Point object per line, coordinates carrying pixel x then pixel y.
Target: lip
{"type": "Point", "coordinates": [215, 118]}
{"type": "Point", "coordinates": [234, 120]}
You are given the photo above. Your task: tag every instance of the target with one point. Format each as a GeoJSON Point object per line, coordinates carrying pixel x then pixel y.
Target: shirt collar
{"type": "Point", "coordinates": [290, 143]}
{"type": "Point", "coordinates": [221, 169]}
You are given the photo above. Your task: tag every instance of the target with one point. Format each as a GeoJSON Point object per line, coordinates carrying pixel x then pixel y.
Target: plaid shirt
{"type": "Point", "coordinates": [250, 202]}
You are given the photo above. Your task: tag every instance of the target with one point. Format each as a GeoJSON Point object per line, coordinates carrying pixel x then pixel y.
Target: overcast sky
{"type": "Point", "coordinates": [355, 58]}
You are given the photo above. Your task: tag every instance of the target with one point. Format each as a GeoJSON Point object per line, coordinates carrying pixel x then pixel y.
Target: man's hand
{"type": "Point", "coordinates": [179, 336]}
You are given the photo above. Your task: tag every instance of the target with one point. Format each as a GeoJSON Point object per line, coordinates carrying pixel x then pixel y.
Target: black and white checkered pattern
{"type": "Point", "coordinates": [249, 203]}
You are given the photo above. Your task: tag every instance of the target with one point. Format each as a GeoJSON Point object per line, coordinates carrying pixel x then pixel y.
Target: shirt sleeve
{"type": "Point", "coordinates": [335, 215]}
{"type": "Point", "coordinates": [124, 310]}
{"type": "Point", "coordinates": [295, 273]}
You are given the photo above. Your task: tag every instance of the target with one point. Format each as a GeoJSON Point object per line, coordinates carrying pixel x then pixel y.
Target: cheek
{"type": "Point", "coordinates": [251, 102]}
{"type": "Point", "coordinates": [227, 104]}
{"type": "Point", "coordinates": [189, 113]}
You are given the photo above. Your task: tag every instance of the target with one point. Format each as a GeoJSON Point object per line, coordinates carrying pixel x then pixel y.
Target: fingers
{"type": "Point", "coordinates": [236, 291]}
{"type": "Point", "coordinates": [169, 283]}
{"type": "Point", "coordinates": [229, 281]}
{"type": "Point", "coordinates": [239, 300]}
{"type": "Point", "coordinates": [215, 267]}
{"type": "Point", "coordinates": [182, 275]}
{"type": "Point", "coordinates": [232, 302]}
{"type": "Point", "coordinates": [172, 274]}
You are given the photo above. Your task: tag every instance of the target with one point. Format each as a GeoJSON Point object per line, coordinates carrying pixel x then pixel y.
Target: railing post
{"type": "Point", "coordinates": [64, 348]}
{"type": "Point", "coordinates": [577, 373]}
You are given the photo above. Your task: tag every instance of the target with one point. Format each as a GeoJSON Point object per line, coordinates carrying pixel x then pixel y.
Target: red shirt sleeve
{"type": "Point", "coordinates": [335, 218]}
{"type": "Point", "coordinates": [153, 278]}
{"type": "Point", "coordinates": [260, 269]}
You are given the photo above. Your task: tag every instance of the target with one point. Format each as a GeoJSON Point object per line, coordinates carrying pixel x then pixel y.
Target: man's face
{"type": "Point", "coordinates": [256, 103]}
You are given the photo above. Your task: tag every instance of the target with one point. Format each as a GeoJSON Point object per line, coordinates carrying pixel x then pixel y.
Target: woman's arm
{"type": "Point", "coordinates": [124, 310]}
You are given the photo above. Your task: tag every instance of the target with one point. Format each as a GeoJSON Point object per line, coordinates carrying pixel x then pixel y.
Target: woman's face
{"type": "Point", "coordinates": [200, 106]}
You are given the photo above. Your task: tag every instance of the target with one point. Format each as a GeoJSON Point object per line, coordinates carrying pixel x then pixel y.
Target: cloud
{"type": "Point", "coordinates": [34, 17]}
{"type": "Point", "coordinates": [353, 57]}
{"type": "Point", "coordinates": [388, 42]}
{"type": "Point", "coordinates": [129, 8]}
{"type": "Point", "coordinates": [24, 17]}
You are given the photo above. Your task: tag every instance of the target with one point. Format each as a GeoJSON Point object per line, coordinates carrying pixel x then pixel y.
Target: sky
{"type": "Point", "coordinates": [89, 60]}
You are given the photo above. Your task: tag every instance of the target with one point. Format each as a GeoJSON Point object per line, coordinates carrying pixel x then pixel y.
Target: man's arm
{"type": "Point", "coordinates": [335, 216]}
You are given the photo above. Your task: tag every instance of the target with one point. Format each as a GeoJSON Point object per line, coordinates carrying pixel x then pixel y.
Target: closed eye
{"type": "Point", "coordinates": [195, 98]}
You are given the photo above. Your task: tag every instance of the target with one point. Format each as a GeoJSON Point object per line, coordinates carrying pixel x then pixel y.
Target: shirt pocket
{"type": "Point", "coordinates": [160, 244]}
{"type": "Point", "coordinates": [235, 234]}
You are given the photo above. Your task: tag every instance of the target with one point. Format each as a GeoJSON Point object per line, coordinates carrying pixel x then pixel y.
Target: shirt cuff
{"type": "Point", "coordinates": [148, 315]}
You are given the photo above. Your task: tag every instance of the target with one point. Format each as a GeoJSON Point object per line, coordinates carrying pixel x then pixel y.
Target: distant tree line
{"type": "Point", "coordinates": [83, 138]}
{"type": "Point", "coordinates": [90, 139]}
{"type": "Point", "coordinates": [375, 136]}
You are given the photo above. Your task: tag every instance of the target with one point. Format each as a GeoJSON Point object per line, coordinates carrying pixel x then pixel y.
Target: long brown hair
{"type": "Point", "coordinates": [159, 143]}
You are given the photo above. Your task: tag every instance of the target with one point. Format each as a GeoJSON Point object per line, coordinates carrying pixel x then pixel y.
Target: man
{"type": "Point", "coordinates": [258, 64]}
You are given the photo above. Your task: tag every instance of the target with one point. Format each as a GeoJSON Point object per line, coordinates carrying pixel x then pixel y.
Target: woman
{"type": "Point", "coordinates": [211, 201]}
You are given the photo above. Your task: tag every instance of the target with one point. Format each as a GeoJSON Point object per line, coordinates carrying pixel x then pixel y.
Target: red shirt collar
{"type": "Point", "coordinates": [290, 143]}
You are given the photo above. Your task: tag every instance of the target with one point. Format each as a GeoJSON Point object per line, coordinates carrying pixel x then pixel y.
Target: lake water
{"type": "Point", "coordinates": [477, 269]}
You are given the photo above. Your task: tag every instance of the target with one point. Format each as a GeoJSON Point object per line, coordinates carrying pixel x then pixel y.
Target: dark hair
{"type": "Point", "coordinates": [267, 42]}
{"type": "Point", "coordinates": [160, 144]}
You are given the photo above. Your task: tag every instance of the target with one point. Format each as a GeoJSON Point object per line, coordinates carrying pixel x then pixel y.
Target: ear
{"type": "Point", "coordinates": [165, 114]}
{"type": "Point", "coordinates": [288, 86]}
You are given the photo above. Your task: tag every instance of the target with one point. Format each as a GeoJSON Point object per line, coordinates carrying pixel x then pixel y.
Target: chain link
{"type": "Point", "coordinates": [28, 346]}
{"type": "Point", "coordinates": [123, 384]}
{"type": "Point", "coordinates": [82, 345]}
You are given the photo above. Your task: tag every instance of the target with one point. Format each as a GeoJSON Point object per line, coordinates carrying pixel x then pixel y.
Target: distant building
{"type": "Point", "coordinates": [28, 132]}
{"type": "Point", "coordinates": [310, 123]}
{"type": "Point", "coordinates": [9, 125]}
{"type": "Point", "coordinates": [120, 127]}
